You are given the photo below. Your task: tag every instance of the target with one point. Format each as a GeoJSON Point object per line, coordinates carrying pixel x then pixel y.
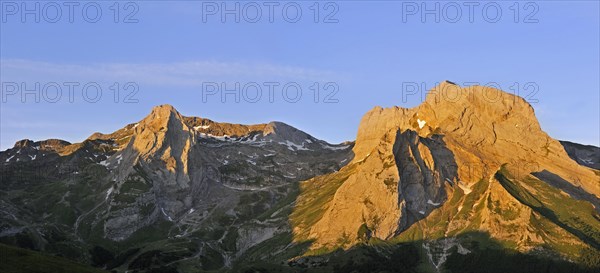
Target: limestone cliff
{"type": "Point", "coordinates": [435, 161]}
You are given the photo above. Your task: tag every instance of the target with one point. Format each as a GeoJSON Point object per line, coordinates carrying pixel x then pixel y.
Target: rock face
{"type": "Point", "coordinates": [391, 188]}
{"type": "Point", "coordinates": [432, 171]}
{"type": "Point", "coordinates": [164, 139]}
{"type": "Point", "coordinates": [163, 180]}
{"type": "Point", "coordinates": [467, 168]}
{"type": "Point", "coordinates": [585, 155]}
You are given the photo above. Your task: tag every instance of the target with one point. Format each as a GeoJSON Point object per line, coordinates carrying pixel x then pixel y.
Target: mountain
{"type": "Point", "coordinates": [168, 187]}
{"type": "Point", "coordinates": [465, 182]}
{"type": "Point", "coordinates": [586, 155]}
{"type": "Point", "coordinates": [466, 160]}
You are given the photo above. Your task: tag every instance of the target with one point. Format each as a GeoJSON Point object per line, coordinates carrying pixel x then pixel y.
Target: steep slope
{"type": "Point", "coordinates": [433, 172]}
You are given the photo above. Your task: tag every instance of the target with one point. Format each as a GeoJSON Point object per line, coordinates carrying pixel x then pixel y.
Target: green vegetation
{"type": "Point", "coordinates": [490, 254]}
{"type": "Point", "coordinates": [363, 232]}
{"type": "Point", "coordinates": [233, 168]}
{"type": "Point", "coordinates": [403, 258]}
{"type": "Point", "coordinates": [253, 204]}
{"type": "Point", "coordinates": [486, 255]}
{"type": "Point", "coordinates": [229, 242]}
{"type": "Point", "coordinates": [155, 260]}
{"type": "Point", "coordinates": [18, 260]}
{"type": "Point", "coordinates": [211, 259]}
{"type": "Point", "coordinates": [283, 207]}
{"type": "Point", "coordinates": [362, 258]}
{"type": "Point", "coordinates": [316, 194]}
{"type": "Point", "coordinates": [575, 216]}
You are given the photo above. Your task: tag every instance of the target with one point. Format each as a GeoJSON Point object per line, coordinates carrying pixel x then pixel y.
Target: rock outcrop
{"type": "Point", "coordinates": [409, 164]}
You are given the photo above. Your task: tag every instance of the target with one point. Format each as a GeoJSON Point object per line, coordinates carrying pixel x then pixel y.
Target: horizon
{"type": "Point", "coordinates": [345, 60]}
{"type": "Point", "coordinates": [233, 122]}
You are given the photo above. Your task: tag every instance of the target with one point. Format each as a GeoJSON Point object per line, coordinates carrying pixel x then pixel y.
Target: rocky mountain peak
{"type": "Point", "coordinates": [417, 158]}
{"type": "Point", "coordinates": [163, 109]}
{"type": "Point", "coordinates": [466, 162]}
{"type": "Point", "coordinates": [477, 114]}
{"type": "Point", "coordinates": [159, 144]}
{"type": "Point", "coordinates": [161, 115]}
{"type": "Point", "coordinates": [23, 143]}
{"type": "Point", "coordinates": [49, 144]}
{"type": "Point", "coordinates": [285, 132]}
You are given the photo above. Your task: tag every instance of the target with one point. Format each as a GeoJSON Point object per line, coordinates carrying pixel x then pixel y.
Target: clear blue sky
{"type": "Point", "coordinates": [369, 53]}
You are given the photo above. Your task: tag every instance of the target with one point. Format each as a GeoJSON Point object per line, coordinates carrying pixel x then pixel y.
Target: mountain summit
{"type": "Point", "coordinates": [470, 159]}
{"type": "Point", "coordinates": [465, 182]}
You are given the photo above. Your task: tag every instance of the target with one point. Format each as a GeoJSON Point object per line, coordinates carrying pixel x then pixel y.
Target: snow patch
{"type": "Point", "coordinates": [222, 138]}
{"type": "Point", "coordinates": [33, 157]}
{"type": "Point", "coordinates": [201, 127]}
{"type": "Point", "coordinates": [335, 148]}
{"type": "Point", "coordinates": [292, 145]}
{"type": "Point", "coordinates": [587, 161]}
{"type": "Point", "coordinates": [422, 212]}
{"type": "Point", "coordinates": [421, 123]}
{"type": "Point", "coordinates": [10, 158]}
{"type": "Point", "coordinates": [119, 158]}
{"type": "Point", "coordinates": [432, 203]}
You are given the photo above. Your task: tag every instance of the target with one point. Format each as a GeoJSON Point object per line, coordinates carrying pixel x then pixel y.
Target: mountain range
{"type": "Point", "coordinates": [465, 182]}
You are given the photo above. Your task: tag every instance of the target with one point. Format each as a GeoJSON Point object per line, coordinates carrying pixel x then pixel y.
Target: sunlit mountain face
{"type": "Point", "coordinates": [462, 185]}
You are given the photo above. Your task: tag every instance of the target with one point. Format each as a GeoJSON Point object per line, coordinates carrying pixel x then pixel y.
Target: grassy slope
{"type": "Point", "coordinates": [17, 260]}
{"type": "Point", "coordinates": [576, 216]}
{"type": "Point", "coordinates": [315, 197]}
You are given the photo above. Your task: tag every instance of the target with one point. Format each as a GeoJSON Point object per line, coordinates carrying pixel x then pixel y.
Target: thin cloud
{"type": "Point", "coordinates": [192, 73]}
